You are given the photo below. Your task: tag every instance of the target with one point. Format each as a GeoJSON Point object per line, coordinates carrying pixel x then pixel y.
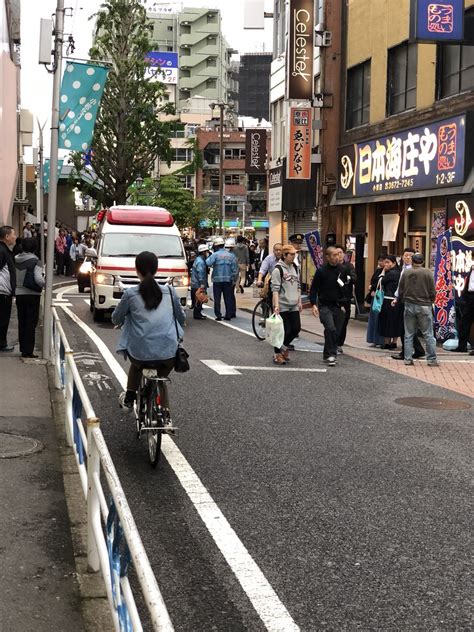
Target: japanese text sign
{"type": "Point", "coordinates": [462, 261]}
{"type": "Point", "coordinates": [300, 53]}
{"type": "Point", "coordinates": [255, 150]}
{"type": "Point", "coordinates": [81, 91]}
{"type": "Point", "coordinates": [425, 157]}
{"type": "Point", "coordinates": [444, 308]}
{"type": "Point", "coordinates": [460, 216]}
{"type": "Point", "coordinates": [163, 67]}
{"type": "Point", "coordinates": [437, 21]}
{"type": "Point", "coordinates": [299, 150]}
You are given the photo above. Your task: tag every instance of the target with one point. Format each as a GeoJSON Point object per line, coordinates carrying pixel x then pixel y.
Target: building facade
{"type": "Point", "coordinates": [204, 55]}
{"type": "Point", "coordinates": [407, 132]}
{"type": "Point", "coordinates": [254, 83]}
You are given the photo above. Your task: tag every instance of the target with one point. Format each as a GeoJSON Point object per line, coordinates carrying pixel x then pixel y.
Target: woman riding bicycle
{"type": "Point", "coordinates": [148, 337]}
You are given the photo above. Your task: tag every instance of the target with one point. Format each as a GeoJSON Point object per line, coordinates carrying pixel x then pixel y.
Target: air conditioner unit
{"type": "Point", "coordinates": [21, 184]}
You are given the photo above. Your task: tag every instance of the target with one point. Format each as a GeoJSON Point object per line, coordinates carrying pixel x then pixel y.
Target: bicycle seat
{"type": "Point", "coordinates": [151, 373]}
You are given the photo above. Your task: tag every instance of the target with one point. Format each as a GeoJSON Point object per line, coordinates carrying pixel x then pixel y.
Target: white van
{"type": "Point", "coordinates": [124, 232]}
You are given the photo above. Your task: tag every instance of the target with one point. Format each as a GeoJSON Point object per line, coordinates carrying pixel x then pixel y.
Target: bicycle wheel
{"type": "Point", "coordinates": [260, 314]}
{"type": "Point", "coordinates": [154, 419]}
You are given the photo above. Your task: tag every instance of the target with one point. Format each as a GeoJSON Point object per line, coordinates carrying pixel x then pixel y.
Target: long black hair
{"type": "Point", "coordinates": [146, 264]}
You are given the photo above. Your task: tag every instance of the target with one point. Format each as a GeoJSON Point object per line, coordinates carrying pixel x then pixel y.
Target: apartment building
{"type": "Point", "coordinates": [204, 56]}
{"type": "Point", "coordinates": [407, 134]}
{"type": "Point", "coordinates": [254, 82]}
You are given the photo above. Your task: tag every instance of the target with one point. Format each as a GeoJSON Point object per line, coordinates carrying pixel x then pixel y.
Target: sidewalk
{"type": "Point", "coordinates": [455, 373]}
{"type": "Point", "coordinates": [38, 585]}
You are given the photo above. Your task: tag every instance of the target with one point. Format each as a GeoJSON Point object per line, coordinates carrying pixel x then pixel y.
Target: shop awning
{"type": "Point", "coordinates": [408, 195]}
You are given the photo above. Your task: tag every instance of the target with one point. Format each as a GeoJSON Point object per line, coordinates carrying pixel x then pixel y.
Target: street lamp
{"type": "Point", "coordinates": [221, 105]}
{"type": "Point", "coordinates": [139, 182]}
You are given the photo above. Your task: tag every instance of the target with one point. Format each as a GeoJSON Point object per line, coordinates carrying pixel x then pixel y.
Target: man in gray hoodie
{"type": "Point", "coordinates": [241, 251]}
{"type": "Point", "coordinates": [30, 282]}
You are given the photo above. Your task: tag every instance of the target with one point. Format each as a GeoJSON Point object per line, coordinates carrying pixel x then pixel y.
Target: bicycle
{"type": "Point", "coordinates": [151, 417]}
{"type": "Point", "coordinates": [261, 312]}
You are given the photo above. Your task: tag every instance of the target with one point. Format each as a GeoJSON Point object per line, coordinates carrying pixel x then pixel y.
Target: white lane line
{"type": "Point", "coordinates": [221, 368]}
{"type": "Point", "coordinates": [264, 599]}
{"type": "Point", "coordinates": [61, 303]}
{"type": "Point", "coordinates": [64, 290]}
{"type": "Point", "coordinates": [277, 368]}
{"type": "Point", "coordinates": [227, 324]}
{"type": "Point", "coordinates": [87, 301]}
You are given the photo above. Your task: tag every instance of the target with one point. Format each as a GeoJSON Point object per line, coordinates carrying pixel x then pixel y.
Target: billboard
{"type": "Point", "coordinates": [435, 22]}
{"type": "Point", "coordinates": [167, 62]}
{"type": "Point", "coordinates": [426, 157]}
{"type": "Point", "coordinates": [255, 151]}
{"type": "Point", "coordinates": [298, 165]}
{"type": "Point", "coordinates": [300, 52]}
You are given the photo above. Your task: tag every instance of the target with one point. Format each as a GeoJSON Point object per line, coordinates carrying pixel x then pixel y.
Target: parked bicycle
{"type": "Point", "coordinates": [261, 312]}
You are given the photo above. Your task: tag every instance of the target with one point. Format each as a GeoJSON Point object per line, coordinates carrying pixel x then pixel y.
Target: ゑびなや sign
{"type": "Point", "coordinates": [299, 149]}
{"type": "Point", "coordinates": [437, 21]}
{"type": "Point", "coordinates": [425, 157]}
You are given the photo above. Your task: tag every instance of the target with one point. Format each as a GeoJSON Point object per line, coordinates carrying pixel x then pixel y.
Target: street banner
{"type": "Point", "coordinates": [81, 91]}
{"type": "Point", "coordinates": [298, 165]}
{"type": "Point", "coordinates": [255, 151]}
{"type": "Point", "coordinates": [300, 54]}
{"type": "Point", "coordinates": [444, 308]}
{"type": "Point", "coordinates": [163, 67]}
{"type": "Point", "coordinates": [462, 261]}
{"type": "Point", "coordinates": [46, 173]}
{"type": "Point", "coordinates": [313, 241]}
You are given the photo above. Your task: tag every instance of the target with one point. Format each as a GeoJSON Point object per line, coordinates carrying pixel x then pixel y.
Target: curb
{"type": "Point", "coordinates": [94, 603]}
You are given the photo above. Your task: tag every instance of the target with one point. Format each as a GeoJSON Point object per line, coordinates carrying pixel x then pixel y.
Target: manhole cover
{"type": "Point", "coordinates": [12, 446]}
{"type": "Point", "coordinates": [433, 403]}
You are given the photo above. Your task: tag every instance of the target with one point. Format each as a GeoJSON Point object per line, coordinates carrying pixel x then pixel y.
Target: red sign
{"type": "Point", "coordinates": [299, 150]}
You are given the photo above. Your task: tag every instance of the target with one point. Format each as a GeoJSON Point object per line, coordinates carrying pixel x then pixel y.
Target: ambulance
{"type": "Point", "coordinates": [124, 232]}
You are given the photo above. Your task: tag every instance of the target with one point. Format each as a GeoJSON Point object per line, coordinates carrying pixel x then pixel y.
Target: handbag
{"type": "Point", "coordinates": [201, 296]}
{"type": "Point", "coordinates": [377, 300]}
{"type": "Point", "coordinates": [181, 364]}
{"type": "Point", "coordinates": [29, 281]}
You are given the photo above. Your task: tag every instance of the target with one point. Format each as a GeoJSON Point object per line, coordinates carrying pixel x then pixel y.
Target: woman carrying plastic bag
{"type": "Point", "coordinates": [287, 305]}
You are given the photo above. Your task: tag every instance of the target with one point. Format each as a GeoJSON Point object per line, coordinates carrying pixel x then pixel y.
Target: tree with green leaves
{"type": "Point", "coordinates": [128, 135]}
{"type": "Point", "coordinates": [170, 194]}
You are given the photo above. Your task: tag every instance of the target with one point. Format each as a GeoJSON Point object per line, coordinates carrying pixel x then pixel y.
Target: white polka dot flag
{"type": "Point", "coordinates": [46, 170]}
{"type": "Point", "coordinates": [81, 92]}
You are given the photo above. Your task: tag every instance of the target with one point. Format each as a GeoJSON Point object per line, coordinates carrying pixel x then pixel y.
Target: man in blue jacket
{"type": "Point", "coordinates": [199, 280]}
{"type": "Point", "coordinates": [225, 271]}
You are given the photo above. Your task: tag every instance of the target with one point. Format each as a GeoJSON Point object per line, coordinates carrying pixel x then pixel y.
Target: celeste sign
{"type": "Point", "coordinates": [300, 50]}
{"type": "Point", "coordinates": [425, 157]}
{"type": "Point", "coordinates": [437, 21]}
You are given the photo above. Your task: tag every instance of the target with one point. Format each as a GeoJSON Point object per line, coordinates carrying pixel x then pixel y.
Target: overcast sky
{"type": "Point", "coordinates": [36, 82]}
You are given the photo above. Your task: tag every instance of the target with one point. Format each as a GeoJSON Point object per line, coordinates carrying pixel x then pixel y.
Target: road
{"type": "Point", "coordinates": [326, 504]}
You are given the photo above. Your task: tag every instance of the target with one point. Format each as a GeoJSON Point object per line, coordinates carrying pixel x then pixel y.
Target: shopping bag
{"type": "Point", "coordinates": [275, 331]}
{"type": "Point", "coordinates": [377, 300]}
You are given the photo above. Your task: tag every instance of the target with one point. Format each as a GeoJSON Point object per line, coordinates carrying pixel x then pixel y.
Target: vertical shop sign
{"type": "Point", "coordinates": [299, 150]}
{"type": "Point", "coordinates": [444, 308]}
{"type": "Point", "coordinates": [255, 151]}
{"type": "Point", "coordinates": [313, 241]}
{"type": "Point", "coordinates": [300, 50]}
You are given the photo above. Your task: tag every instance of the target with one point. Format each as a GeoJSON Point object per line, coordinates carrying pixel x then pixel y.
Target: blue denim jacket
{"type": "Point", "coordinates": [199, 273]}
{"type": "Point", "coordinates": [224, 266]}
{"type": "Point", "coordinates": [148, 335]}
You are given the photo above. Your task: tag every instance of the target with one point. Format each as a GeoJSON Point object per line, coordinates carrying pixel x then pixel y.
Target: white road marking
{"type": "Point", "coordinates": [61, 303]}
{"type": "Point", "coordinates": [87, 301]}
{"type": "Point", "coordinates": [221, 368]}
{"type": "Point", "coordinates": [264, 599]}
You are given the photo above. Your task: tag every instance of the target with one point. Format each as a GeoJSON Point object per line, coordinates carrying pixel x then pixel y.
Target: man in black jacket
{"type": "Point", "coordinates": [326, 297]}
{"type": "Point", "coordinates": [349, 277]}
{"type": "Point", "coordinates": [7, 282]}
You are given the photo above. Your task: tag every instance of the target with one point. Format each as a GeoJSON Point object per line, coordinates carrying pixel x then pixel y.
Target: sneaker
{"type": "Point", "coordinates": [409, 363]}
{"type": "Point", "coordinates": [433, 363]}
{"type": "Point", "coordinates": [126, 400]}
{"type": "Point", "coordinates": [340, 350]}
{"type": "Point", "coordinates": [331, 361]}
{"type": "Point", "coordinates": [7, 349]}
{"type": "Point", "coordinates": [279, 359]}
{"type": "Point", "coordinates": [218, 318]}
{"type": "Point", "coordinates": [286, 355]}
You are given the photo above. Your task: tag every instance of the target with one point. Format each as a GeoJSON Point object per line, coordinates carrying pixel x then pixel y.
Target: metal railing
{"type": "Point", "coordinates": [113, 541]}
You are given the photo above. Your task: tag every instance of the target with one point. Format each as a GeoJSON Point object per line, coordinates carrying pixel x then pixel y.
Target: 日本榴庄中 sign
{"type": "Point", "coordinates": [437, 21]}
{"type": "Point", "coordinates": [255, 151]}
{"type": "Point", "coordinates": [298, 165]}
{"type": "Point", "coordinates": [425, 157]}
{"type": "Point", "coordinates": [163, 66]}
{"type": "Point", "coordinates": [300, 52]}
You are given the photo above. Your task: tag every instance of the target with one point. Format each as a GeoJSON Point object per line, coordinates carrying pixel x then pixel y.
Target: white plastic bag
{"type": "Point", "coordinates": [275, 331]}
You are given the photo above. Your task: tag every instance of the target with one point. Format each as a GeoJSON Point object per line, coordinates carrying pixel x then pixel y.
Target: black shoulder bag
{"type": "Point", "coordinates": [181, 364]}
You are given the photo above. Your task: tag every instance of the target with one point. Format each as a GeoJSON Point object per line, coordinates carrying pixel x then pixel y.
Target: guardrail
{"type": "Point", "coordinates": [113, 541]}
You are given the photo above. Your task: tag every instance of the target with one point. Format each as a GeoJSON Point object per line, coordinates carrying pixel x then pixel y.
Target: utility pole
{"type": "Point", "coordinates": [221, 170]}
{"type": "Point", "coordinates": [53, 180]}
{"type": "Point", "coordinates": [40, 190]}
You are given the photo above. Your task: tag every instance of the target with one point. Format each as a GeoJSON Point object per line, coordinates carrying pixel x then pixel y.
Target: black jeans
{"type": "Point", "coordinates": [417, 346]}
{"type": "Point", "coordinates": [27, 307]}
{"type": "Point", "coordinates": [347, 314]}
{"type": "Point", "coordinates": [60, 263]}
{"type": "Point", "coordinates": [292, 325]}
{"type": "Point", "coordinates": [197, 307]}
{"type": "Point", "coordinates": [225, 288]}
{"type": "Point", "coordinates": [5, 313]}
{"type": "Point", "coordinates": [331, 317]}
{"type": "Point", "coordinates": [164, 368]}
{"type": "Point", "coordinates": [465, 322]}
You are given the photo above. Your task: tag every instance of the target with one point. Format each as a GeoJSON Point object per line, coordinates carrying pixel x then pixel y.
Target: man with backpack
{"type": "Point", "coordinates": [286, 291]}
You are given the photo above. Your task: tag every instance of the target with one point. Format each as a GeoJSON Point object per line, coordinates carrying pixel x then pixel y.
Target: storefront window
{"type": "Point", "coordinates": [417, 217]}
